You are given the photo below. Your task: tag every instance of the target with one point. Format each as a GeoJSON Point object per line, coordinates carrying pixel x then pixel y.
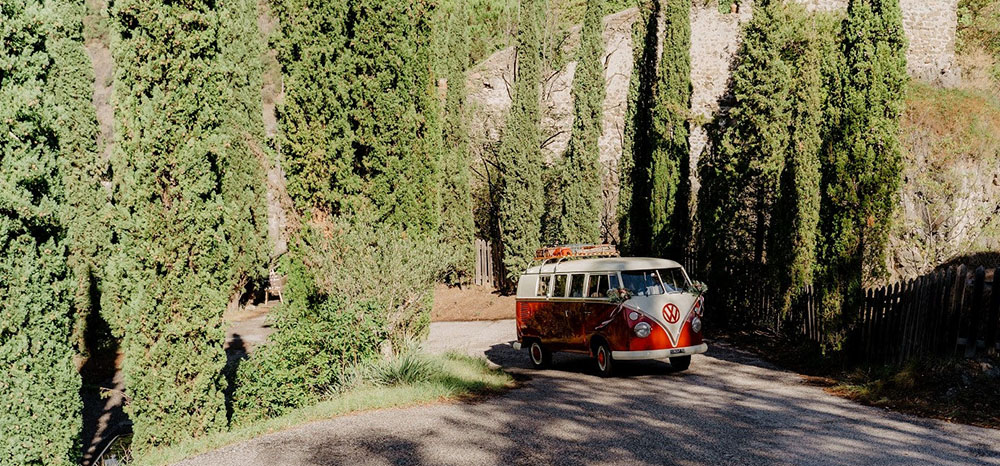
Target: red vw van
{"type": "Point", "coordinates": [585, 299]}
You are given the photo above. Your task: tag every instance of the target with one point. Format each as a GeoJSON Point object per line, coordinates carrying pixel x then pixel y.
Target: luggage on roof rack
{"type": "Point", "coordinates": [574, 251]}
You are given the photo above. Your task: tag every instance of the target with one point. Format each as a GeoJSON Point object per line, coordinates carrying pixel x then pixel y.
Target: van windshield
{"type": "Point", "coordinates": [642, 282]}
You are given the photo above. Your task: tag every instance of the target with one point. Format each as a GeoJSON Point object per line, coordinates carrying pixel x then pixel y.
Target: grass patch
{"type": "Point", "coordinates": [959, 390]}
{"type": "Point", "coordinates": [406, 381]}
{"type": "Point", "coordinates": [955, 390]}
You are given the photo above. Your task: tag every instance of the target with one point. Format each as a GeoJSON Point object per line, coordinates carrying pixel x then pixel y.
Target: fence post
{"type": "Point", "coordinates": [975, 314]}
{"type": "Point", "coordinates": [956, 314]}
{"type": "Point", "coordinates": [993, 315]}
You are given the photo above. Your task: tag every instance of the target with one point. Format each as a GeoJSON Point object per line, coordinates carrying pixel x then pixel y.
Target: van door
{"type": "Point", "coordinates": [577, 312]}
{"type": "Point", "coordinates": [555, 328]}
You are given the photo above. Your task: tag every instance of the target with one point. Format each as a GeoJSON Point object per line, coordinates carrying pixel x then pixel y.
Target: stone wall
{"type": "Point", "coordinates": [715, 39]}
{"type": "Point", "coordinates": [930, 27]}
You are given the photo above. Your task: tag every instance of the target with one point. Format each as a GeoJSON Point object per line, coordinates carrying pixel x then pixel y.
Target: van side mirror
{"type": "Point", "coordinates": [698, 287]}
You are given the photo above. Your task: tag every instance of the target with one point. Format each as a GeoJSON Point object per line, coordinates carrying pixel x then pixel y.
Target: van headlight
{"type": "Point", "coordinates": [696, 325]}
{"type": "Point", "coordinates": [642, 329]}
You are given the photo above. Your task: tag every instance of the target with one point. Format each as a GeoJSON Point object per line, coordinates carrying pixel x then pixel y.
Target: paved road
{"type": "Point", "coordinates": [728, 408]}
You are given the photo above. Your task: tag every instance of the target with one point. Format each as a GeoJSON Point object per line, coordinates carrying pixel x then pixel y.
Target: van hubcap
{"type": "Point", "coordinates": [536, 353]}
{"type": "Point", "coordinates": [601, 358]}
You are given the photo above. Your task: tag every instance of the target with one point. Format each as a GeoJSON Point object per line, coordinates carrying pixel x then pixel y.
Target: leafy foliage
{"type": "Point", "coordinates": [188, 217]}
{"type": "Point", "coordinates": [578, 179]}
{"type": "Point", "coordinates": [363, 172]}
{"type": "Point", "coordinates": [521, 203]}
{"type": "Point", "coordinates": [83, 169]}
{"type": "Point", "coordinates": [979, 31]}
{"type": "Point", "coordinates": [861, 169]}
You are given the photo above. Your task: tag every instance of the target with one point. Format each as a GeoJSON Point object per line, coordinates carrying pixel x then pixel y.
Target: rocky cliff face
{"type": "Point", "coordinates": [950, 203]}
{"type": "Point", "coordinates": [921, 241]}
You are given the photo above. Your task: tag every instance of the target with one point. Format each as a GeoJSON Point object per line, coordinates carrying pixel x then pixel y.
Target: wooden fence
{"type": "Point", "coordinates": [949, 312]}
{"type": "Point", "coordinates": [485, 269]}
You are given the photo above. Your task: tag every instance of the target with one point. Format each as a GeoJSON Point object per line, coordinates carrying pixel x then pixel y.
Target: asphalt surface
{"type": "Point", "coordinates": [728, 408]}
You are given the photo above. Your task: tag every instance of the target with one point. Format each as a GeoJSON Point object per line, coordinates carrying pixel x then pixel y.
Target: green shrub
{"type": "Point", "coordinates": [355, 291]}
{"type": "Point", "coordinates": [761, 183]}
{"type": "Point", "coordinates": [349, 145]}
{"type": "Point", "coordinates": [40, 46]}
{"type": "Point", "coordinates": [668, 170]}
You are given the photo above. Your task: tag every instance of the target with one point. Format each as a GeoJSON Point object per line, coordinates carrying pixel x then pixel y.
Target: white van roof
{"type": "Point", "coordinates": [604, 264]}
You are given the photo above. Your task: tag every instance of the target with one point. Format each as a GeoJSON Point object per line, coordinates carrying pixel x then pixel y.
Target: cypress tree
{"type": "Point", "coordinates": [668, 171]}
{"type": "Point", "coordinates": [184, 231]}
{"type": "Point", "coordinates": [361, 135]}
{"type": "Point", "coordinates": [87, 226]}
{"type": "Point", "coordinates": [633, 223]}
{"type": "Point", "coordinates": [579, 177]}
{"type": "Point", "coordinates": [794, 233]}
{"type": "Point", "coordinates": [760, 191]}
{"type": "Point", "coordinates": [742, 177]}
{"type": "Point", "coordinates": [243, 186]}
{"type": "Point", "coordinates": [40, 404]}
{"type": "Point", "coordinates": [350, 145]}
{"type": "Point", "coordinates": [862, 168]}
{"type": "Point", "coordinates": [457, 224]}
{"type": "Point", "coordinates": [521, 203]}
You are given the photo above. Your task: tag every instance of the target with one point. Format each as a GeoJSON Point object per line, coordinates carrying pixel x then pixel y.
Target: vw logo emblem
{"type": "Point", "coordinates": [671, 313]}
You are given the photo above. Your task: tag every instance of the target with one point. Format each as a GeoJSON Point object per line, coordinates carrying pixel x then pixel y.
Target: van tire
{"type": "Point", "coordinates": [602, 358]}
{"type": "Point", "coordinates": [541, 358]}
{"type": "Point", "coordinates": [680, 363]}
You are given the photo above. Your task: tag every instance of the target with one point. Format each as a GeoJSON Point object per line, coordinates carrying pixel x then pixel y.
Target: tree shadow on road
{"type": "Point", "coordinates": [729, 408]}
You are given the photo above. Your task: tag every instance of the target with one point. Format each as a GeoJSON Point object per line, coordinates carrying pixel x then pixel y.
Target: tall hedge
{"type": "Point", "coordinates": [39, 399]}
{"type": "Point", "coordinates": [862, 168]}
{"type": "Point", "coordinates": [633, 192]}
{"type": "Point", "coordinates": [457, 226]}
{"type": "Point", "coordinates": [578, 208]}
{"type": "Point", "coordinates": [668, 171]}
{"type": "Point", "coordinates": [521, 203]}
{"type": "Point", "coordinates": [188, 217]}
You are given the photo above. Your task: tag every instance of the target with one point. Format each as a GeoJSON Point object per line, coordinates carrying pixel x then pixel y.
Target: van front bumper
{"type": "Point", "coordinates": [659, 354]}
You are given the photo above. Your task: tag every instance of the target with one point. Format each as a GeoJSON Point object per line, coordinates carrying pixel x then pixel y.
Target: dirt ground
{"type": "Point", "coordinates": [470, 303]}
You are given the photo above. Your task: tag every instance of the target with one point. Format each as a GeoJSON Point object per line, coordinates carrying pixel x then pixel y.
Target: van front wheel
{"type": "Point", "coordinates": [605, 363]}
{"type": "Point", "coordinates": [541, 358]}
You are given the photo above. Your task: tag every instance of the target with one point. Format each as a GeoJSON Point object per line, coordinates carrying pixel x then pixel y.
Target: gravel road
{"type": "Point", "coordinates": [728, 408]}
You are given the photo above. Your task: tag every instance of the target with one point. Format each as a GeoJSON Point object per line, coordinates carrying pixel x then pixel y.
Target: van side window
{"type": "Point", "coordinates": [598, 287]}
{"type": "Point", "coordinates": [543, 285]}
{"type": "Point", "coordinates": [559, 289]}
{"type": "Point", "coordinates": [576, 285]}
{"type": "Point", "coordinates": [614, 281]}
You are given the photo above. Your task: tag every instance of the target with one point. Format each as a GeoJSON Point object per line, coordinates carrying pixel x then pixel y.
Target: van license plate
{"type": "Point", "coordinates": [676, 351]}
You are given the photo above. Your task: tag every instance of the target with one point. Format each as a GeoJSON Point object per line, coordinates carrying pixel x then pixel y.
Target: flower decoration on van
{"type": "Point", "coordinates": [619, 295]}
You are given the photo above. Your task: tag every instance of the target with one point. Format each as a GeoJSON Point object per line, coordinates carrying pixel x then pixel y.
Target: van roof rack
{"type": "Point", "coordinates": [573, 251]}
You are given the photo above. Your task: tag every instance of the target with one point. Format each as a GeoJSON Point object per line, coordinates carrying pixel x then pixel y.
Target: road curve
{"type": "Point", "coordinates": [728, 408]}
